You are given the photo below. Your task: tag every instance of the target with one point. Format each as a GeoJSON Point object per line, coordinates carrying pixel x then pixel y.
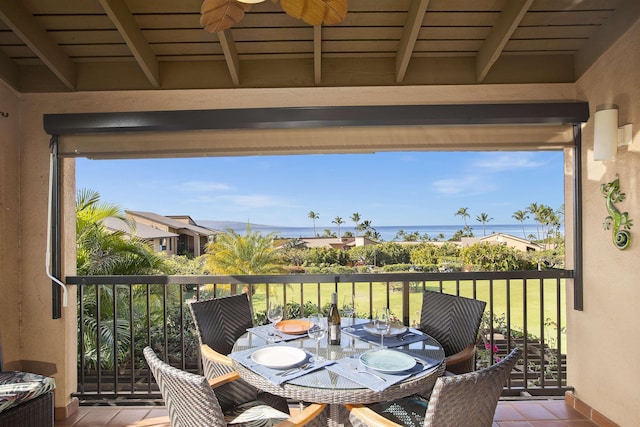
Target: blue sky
{"type": "Point", "coordinates": [408, 188]}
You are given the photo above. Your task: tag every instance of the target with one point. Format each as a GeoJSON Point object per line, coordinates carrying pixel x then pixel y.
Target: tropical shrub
{"type": "Point", "coordinates": [325, 256]}
{"type": "Point", "coordinates": [494, 257]}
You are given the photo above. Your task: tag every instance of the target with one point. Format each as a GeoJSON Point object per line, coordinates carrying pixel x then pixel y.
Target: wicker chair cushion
{"type": "Point", "coordinates": [407, 411]}
{"type": "Point", "coordinates": [254, 414]}
{"type": "Point", "coordinates": [18, 387]}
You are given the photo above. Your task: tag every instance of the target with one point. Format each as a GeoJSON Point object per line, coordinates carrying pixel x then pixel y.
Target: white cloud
{"type": "Point", "coordinates": [203, 186]}
{"type": "Point", "coordinates": [236, 202]}
{"type": "Point", "coordinates": [252, 200]}
{"type": "Point", "coordinates": [465, 185]}
{"type": "Point", "coordinates": [499, 162]}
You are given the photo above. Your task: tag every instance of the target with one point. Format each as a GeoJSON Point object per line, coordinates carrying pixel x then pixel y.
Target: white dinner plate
{"type": "Point", "coordinates": [279, 357]}
{"type": "Point", "coordinates": [387, 361]}
{"type": "Point", "coordinates": [395, 330]}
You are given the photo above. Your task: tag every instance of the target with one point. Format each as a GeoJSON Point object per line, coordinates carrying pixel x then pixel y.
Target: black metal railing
{"type": "Point", "coordinates": [119, 315]}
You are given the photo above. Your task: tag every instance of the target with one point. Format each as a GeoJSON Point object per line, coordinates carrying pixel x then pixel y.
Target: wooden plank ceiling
{"type": "Point", "coordinates": [71, 45]}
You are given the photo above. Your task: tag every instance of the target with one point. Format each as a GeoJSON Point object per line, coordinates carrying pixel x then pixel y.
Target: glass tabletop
{"type": "Point", "coordinates": [350, 346]}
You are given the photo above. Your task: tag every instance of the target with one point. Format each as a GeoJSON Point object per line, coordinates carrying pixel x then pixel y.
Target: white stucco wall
{"type": "Point", "coordinates": [603, 362]}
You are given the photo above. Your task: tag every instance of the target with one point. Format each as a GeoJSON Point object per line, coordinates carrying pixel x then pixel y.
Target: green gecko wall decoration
{"type": "Point", "coordinates": [618, 221]}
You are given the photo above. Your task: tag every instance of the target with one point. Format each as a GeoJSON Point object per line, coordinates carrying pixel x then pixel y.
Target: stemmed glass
{"type": "Point", "coordinates": [274, 314]}
{"type": "Point", "coordinates": [317, 331]}
{"type": "Point", "coordinates": [348, 309]}
{"type": "Point", "coordinates": [383, 323]}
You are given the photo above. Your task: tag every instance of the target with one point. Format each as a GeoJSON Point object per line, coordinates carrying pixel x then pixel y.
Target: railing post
{"type": "Point", "coordinates": [405, 302]}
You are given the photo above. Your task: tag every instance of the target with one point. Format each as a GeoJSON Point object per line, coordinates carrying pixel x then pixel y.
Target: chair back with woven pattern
{"type": "Point", "coordinates": [470, 399]}
{"type": "Point", "coordinates": [452, 320]}
{"type": "Point", "coordinates": [189, 398]}
{"type": "Point", "coordinates": [221, 321]}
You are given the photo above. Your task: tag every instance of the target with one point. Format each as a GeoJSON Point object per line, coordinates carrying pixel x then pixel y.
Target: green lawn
{"type": "Point", "coordinates": [522, 304]}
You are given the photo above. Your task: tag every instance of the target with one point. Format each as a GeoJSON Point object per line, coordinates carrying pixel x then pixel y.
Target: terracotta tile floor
{"type": "Point", "coordinates": [530, 413]}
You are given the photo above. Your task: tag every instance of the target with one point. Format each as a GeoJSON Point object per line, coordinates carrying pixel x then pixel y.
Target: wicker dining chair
{"type": "Point", "coordinates": [219, 323]}
{"type": "Point", "coordinates": [454, 322]}
{"type": "Point", "coordinates": [468, 400]}
{"type": "Point", "coordinates": [191, 402]}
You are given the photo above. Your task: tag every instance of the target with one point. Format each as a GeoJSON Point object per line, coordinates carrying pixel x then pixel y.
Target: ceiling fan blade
{"type": "Point", "coordinates": [316, 12]}
{"type": "Point", "coordinates": [220, 15]}
{"type": "Point", "coordinates": [336, 11]}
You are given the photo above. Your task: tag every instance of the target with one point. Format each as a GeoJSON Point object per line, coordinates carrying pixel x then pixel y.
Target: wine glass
{"type": "Point", "coordinates": [274, 314]}
{"type": "Point", "coordinates": [348, 309]}
{"type": "Point", "coordinates": [317, 331]}
{"type": "Point", "coordinates": [382, 323]}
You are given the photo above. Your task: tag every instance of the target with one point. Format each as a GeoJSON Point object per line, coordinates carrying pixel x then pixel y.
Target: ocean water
{"type": "Point", "coordinates": [388, 232]}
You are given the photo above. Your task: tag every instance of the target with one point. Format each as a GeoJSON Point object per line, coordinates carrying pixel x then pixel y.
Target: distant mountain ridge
{"type": "Point", "coordinates": [223, 225]}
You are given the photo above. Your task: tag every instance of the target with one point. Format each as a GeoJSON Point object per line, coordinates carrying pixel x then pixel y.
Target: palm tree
{"type": "Point", "coordinates": [356, 219]}
{"type": "Point", "coordinates": [521, 216]}
{"type": "Point", "coordinates": [338, 221]}
{"type": "Point", "coordinates": [534, 209]}
{"type": "Point", "coordinates": [365, 226]}
{"type": "Point", "coordinates": [483, 218]}
{"type": "Point", "coordinates": [313, 215]}
{"type": "Point", "coordinates": [101, 252]}
{"type": "Point", "coordinates": [464, 213]}
{"type": "Point", "coordinates": [253, 253]}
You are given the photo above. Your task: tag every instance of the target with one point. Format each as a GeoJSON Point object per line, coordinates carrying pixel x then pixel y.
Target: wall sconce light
{"type": "Point", "coordinates": [607, 136]}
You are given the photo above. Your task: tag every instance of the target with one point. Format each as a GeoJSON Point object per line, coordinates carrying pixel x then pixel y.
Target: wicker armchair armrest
{"type": "Point", "coordinates": [214, 356]}
{"type": "Point", "coordinates": [223, 379]}
{"type": "Point", "coordinates": [369, 417]}
{"type": "Point", "coordinates": [304, 417]}
{"type": "Point", "coordinates": [463, 361]}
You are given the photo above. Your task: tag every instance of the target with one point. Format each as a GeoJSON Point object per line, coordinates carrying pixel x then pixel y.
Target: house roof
{"type": "Point", "coordinates": [142, 231]}
{"type": "Point", "coordinates": [322, 242]}
{"type": "Point", "coordinates": [499, 237]}
{"type": "Point", "coordinates": [173, 223]}
{"type": "Point", "coordinates": [48, 46]}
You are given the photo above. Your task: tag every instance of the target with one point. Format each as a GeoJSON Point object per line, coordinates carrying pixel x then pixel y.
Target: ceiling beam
{"type": "Point", "coordinates": [230, 55]}
{"type": "Point", "coordinates": [317, 54]}
{"type": "Point", "coordinates": [122, 18]}
{"type": "Point", "coordinates": [412, 26]}
{"type": "Point", "coordinates": [626, 14]}
{"type": "Point", "coordinates": [24, 25]}
{"type": "Point", "coordinates": [499, 35]}
{"type": "Point", "coordinates": [8, 71]}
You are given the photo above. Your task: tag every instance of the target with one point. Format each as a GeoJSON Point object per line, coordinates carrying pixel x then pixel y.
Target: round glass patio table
{"type": "Point", "coordinates": [324, 386]}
